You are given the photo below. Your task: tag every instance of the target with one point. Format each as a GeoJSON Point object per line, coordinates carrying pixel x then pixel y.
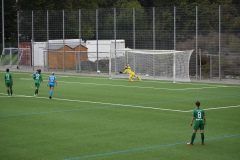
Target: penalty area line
{"type": "Point", "coordinates": [223, 107]}
{"type": "Point", "coordinates": [140, 87]}
{"type": "Point", "coordinates": [121, 105]}
{"type": "Point", "coordinates": [104, 103]}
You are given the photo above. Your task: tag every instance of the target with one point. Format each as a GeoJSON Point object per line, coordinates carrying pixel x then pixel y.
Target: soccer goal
{"type": "Point", "coordinates": [15, 57]}
{"type": "Point", "coordinates": [151, 64]}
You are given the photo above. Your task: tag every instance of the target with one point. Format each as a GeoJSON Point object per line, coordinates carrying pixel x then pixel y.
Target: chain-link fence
{"type": "Point", "coordinates": [212, 31]}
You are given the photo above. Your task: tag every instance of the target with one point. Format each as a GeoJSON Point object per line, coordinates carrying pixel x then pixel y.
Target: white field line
{"type": "Point", "coordinates": [222, 107]}
{"type": "Point", "coordinates": [148, 81]}
{"type": "Point", "coordinates": [4, 96]}
{"type": "Point", "coordinates": [97, 84]}
{"type": "Point", "coordinates": [26, 79]}
{"type": "Point", "coordinates": [123, 105]}
{"type": "Point", "coordinates": [180, 89]}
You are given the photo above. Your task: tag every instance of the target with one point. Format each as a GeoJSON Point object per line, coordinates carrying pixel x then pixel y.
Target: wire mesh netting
{"type": "Point", "coordinates": [213, 32]}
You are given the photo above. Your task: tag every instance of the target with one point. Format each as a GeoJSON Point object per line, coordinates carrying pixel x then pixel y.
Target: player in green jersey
{"type": "Point", "coordinates": [34, 73]}
{"type": "Point", "coordinates": [198, 116]}
{"type": "Point", "coordinates": [8, 82]}
{"type": "Point", "coordinates": [37, 79]}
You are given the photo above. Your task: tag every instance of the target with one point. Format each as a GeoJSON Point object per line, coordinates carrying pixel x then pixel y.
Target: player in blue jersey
{"type": "Point", "coordinates": [52, 81]}
{"type": "Point", "coordinates": [198, 116]}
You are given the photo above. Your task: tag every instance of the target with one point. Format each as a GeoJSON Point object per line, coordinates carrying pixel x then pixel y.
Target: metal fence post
{"type": "Point", "coordinates": [115, 37]}
{"type": "Point", "coordinates": [3, 36]}
{"type": "Point", "coordinates": [18, 29]}
{"type": "Point", "coordinates": [32, 42]}
{"type": "Point", "coordinates": [47, 53]}
{"type": "Point", "coordinates": [97, 35]}
{"type": "Point", "coordinates": [200, 64]}
{"type": "Point", "coordinates": [210, 66]}
{"type": "Point", "coordinates": [80, 41]}
{"type": "Point", "coordinates": [134, 34]}
{"type": "Point", "coordinates": [63, 32]}
{"type": "Point", "coordinates": [10, 63]}
{"type": "Point", "coordinates": [44, 64]}
{"type": "Point", "coordinates": [197, 43]}
{"type": "Point", "coordinates": [154, 45]}
{"type": "Point", "coordinates": [219, 43]}
{"type": "Point", "coordinates": [154, 39]}
{"type": "Point", "coordinates": [174, 65]}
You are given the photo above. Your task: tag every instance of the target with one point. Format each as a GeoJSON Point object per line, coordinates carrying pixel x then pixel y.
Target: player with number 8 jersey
{"type": "Point", "coordinates": [198, 116]}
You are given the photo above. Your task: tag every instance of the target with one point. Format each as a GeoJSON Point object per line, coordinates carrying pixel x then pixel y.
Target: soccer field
{"type": "Point", "coordinates": [97, 118]}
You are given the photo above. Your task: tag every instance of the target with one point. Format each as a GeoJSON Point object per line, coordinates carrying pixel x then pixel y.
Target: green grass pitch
{"type": "Point", "coordinates": [96, 118]}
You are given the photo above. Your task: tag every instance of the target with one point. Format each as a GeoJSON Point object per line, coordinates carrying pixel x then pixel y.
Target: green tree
{"type": "Point", "coordinates": [12, 6]}
{"type": "Point", "coordinates": [10, 21]}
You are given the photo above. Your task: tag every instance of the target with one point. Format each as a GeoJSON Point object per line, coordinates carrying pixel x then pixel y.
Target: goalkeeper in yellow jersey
{"type": "Point", "coordinates": [131, 73]}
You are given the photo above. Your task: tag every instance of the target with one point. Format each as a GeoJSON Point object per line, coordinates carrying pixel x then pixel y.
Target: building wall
{"type": "Point", "coordinates": [57, 58]}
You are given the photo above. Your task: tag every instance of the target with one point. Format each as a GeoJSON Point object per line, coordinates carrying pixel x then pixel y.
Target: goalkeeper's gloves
{"type": "Point", "coordinates": [120, 72]}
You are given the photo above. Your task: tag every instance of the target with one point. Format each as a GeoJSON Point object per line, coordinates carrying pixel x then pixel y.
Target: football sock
{"type": "Point", "coordinates": [11, 92]}
{"type": "Point", "coordinates": [193, 137]}
{"type": "Point", "coordinates": [51, 92]}
{"type": "Point", "coordinates": [8, 92]}
{"type": "Point", "coordinates": [202, 137]}
{"type": "Point", "coordinates": [36, 91]}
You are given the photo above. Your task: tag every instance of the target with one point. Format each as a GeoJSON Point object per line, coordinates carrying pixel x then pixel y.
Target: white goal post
{"type": "Point", "coordinates": [151, 64]}
{"type": "Point", "coordinates": [15, 56]}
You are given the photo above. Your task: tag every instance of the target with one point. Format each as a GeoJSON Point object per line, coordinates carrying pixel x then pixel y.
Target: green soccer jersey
{"type": "Point", "coordinates": [38, 78]}
{"type": "Point", "coordinates": [8, 77]}
{"type": "Point", "coordinates": [198, 114]}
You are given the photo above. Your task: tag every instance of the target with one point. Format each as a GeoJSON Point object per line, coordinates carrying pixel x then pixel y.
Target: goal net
{"type": "Point", "coordinates": [15, 57]}
{"type": "Point", "coordinates": [151, 64]}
